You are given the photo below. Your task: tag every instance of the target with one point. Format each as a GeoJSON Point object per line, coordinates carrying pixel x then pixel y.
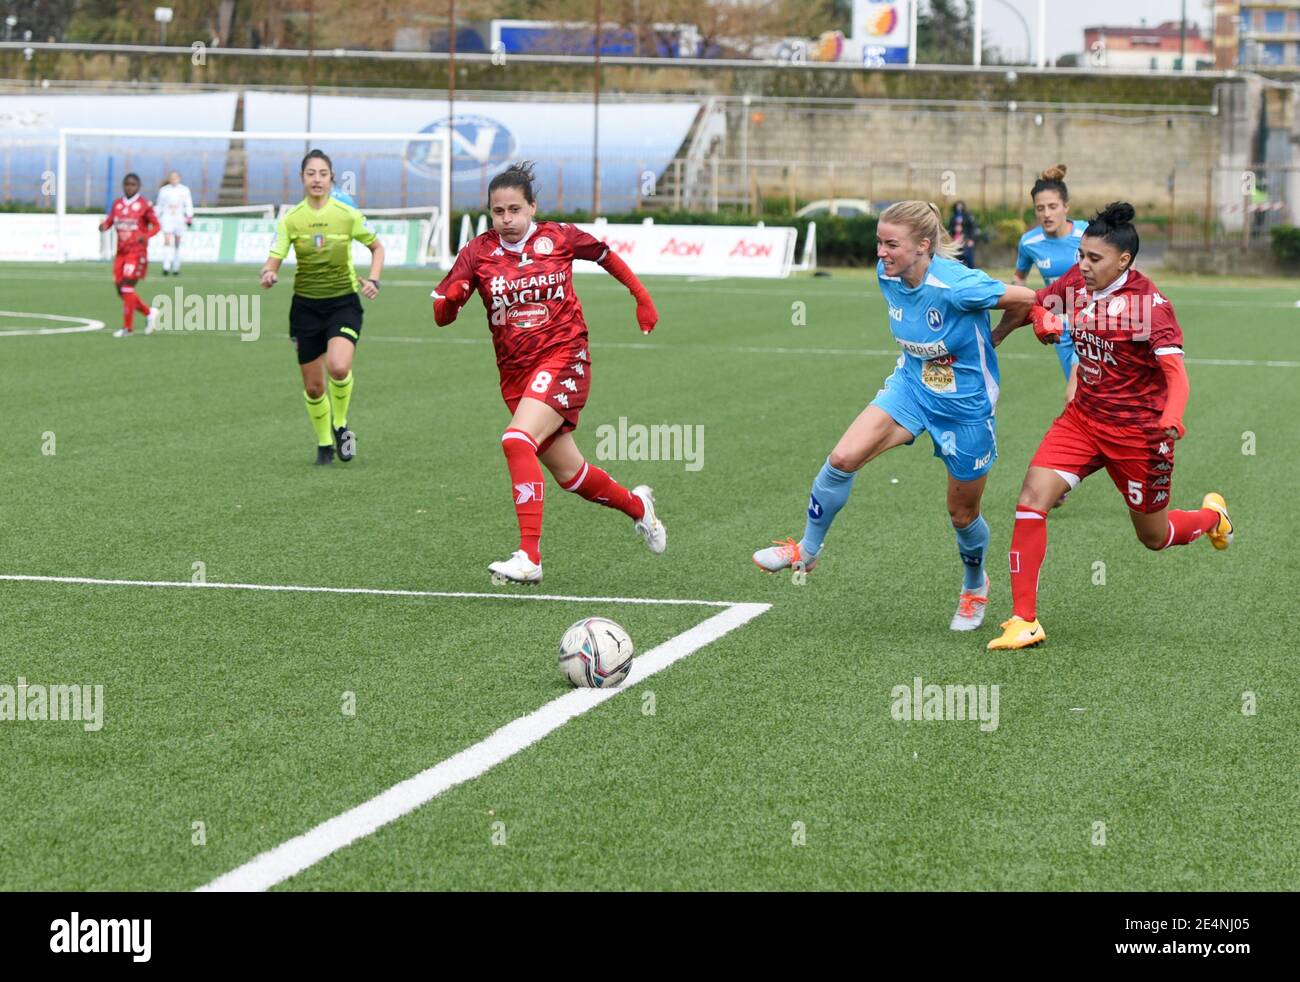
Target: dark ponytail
{"type": "Point", "coordinates": [1052, 179]}
{"type": "Point", "coordinates": [518, 175]}
{"type": "Point", "coordinates": [1114, 224]}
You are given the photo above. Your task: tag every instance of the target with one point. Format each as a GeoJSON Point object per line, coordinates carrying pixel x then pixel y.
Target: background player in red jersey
{"type": "Point", "coordinates": [523, 270]}
{"type": "Point", "coordinates": [133, 218]}
{"type": "Point", "coordinates": [1125, 416]}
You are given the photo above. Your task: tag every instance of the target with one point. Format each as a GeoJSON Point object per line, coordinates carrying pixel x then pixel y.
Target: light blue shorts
{"type": "Point", "coordinates": [968, 450]}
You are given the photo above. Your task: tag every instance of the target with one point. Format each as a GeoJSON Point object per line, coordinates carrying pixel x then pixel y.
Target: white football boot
{"type": "Point", "coordinates": [151, 322]}
{"type": "Point", "coordinates": [783, 555]}
{"type": "Point", "coordinates": [517, 569]}
{"type": "Point", "coordinates": [122, 332]}
{"type": "Point", "coordinates": [970, 608]}
{"type": "Point", "coordinates": [649, 527]}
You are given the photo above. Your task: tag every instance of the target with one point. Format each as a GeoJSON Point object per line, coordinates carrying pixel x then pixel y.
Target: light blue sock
{"type": "Point", "coordinates": [830, 490]}
{"type": "Point", "coordinates": [972, 543]}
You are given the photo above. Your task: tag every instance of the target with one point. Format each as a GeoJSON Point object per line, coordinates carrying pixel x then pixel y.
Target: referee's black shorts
{"type": "Point", "coordinates": [312, 322]}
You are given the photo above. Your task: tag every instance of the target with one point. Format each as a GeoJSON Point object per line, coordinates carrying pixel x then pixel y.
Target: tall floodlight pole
{"type": "Point", "coordinates": [977, 29]}
{"type": "Point", "coordinates": [311, 64]}
{"type": "Point", "coordinates": [1042, 33]}
{"type": "Point", "coordinates": [595, 131]}
{"type": "Point", "coordinates": [914, 11]}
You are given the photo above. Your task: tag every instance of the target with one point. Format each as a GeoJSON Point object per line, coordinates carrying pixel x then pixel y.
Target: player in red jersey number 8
{"type": "Point", "coordinates": [523, 270]}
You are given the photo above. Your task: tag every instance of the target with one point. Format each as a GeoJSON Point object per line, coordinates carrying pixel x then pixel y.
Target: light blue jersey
{"type": "Point", "coordinates": [946, 380]}
{"type": "Point", "coordinates": [1052, 257]}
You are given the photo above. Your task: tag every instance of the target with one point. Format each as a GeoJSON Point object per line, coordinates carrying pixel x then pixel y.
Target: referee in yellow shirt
{"type": "Point", "coordinates": [325, 318]}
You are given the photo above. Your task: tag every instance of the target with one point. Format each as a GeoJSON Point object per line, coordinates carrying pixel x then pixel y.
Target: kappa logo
{"type": "Point", "coordinates": [582, 355]}
{"type": "Point", "coordinates": [569, 384]}
{"type": "Point", "coordinates": [498, 251]}
{"type": "Point", "coordinates": [498, 284]}
{"type": "Point", "coordinates": [562, 399]}
{"type": "Point", "coordinates": [1165, 466]}
{"type": "Point", "coordinates": [578, 369]}
{"type": "Point", "coordinates": [1163, 450]}
{"type": "Point", "coordinates": [527, 491]}
{"type": "Point", "coordinates": [1158, 300]}
{"type": "Point", "coordinates": [934, 319]}
{"type": "Point", "coordinates": [1161, 496]}
{"type": "Point", "coordinates": [1161, 482]}
{"type": "Point", "coordinates": [543, 245]}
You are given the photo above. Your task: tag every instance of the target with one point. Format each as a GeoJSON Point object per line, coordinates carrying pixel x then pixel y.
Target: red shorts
{"type": "Point", "coordinates": [1140, 460]}
{"type": "Point", "coordinates": [562, 380]}
{"type": "Point", "coordinates": [133, 268]}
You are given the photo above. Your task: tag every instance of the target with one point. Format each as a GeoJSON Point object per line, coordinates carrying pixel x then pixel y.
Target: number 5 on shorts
{"type": "Point", "coordinates": [541, 382]}
{"type": "Point", "coordinates": [1135, 492]}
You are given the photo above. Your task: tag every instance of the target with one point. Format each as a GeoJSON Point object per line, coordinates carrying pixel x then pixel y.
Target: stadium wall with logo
{"type": "Point", "coordinates": [637, 142]}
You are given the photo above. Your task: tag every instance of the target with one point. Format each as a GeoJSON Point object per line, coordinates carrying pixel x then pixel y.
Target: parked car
{"type": "Point", "coordinates": [840, 207]}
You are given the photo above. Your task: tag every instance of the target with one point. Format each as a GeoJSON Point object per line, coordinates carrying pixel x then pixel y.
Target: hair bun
{"type": "Point", "coordinates": [1056, 173]}
{"type": "Point", "coordinates": [1118, 213]}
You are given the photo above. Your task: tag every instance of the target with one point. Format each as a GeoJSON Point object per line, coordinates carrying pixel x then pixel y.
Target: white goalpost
{"type": "Point", "coordinates": [429, 223]}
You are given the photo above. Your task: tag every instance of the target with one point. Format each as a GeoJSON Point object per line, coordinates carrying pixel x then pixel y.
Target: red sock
{"type": "Point", "coordinates": [1028, 547]}
{"type": "Point", "coordinates": [1188, 526]}
{"type": "Point", "coordinates": [140, 305]}
{"type": "Point", "coordinates": [526, 476]}
{"type": "Point", "coordinates": [595, 485]}
{"type": "Point", "coordinates": [128, 307]}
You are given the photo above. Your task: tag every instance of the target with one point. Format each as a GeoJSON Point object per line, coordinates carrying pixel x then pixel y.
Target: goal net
{"type": "Point", "coordinates": [241, 181]}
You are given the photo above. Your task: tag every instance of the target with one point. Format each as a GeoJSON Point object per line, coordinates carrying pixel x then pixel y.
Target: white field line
{"type": "Point", "coordinates": [818, 352]}
{"type": "Point", "coordinates": [523, 592]}
{"type": "Point", "coordinates": [292, 857]}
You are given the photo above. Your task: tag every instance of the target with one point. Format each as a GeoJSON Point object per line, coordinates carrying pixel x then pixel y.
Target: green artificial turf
{"type": "Point", "coordinates": [225, 707]}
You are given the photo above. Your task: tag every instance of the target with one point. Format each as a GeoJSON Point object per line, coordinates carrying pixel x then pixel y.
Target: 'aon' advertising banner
{"type": "Point", "coordinates": [698, 250]}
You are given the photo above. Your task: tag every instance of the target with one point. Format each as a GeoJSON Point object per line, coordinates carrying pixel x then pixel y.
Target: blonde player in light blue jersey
{"type": "Point", "coordinates": [945, 383]}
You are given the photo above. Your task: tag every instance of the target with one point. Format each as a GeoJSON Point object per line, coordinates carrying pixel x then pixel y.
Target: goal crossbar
{"type": "Point", "coordinates": [441, 232]}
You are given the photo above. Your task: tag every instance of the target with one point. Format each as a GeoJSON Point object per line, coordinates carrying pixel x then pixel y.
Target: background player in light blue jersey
{"type": "Point", "coordinates": [1053, 247]}
{"type": "Point", "coordinates": [945, 383]}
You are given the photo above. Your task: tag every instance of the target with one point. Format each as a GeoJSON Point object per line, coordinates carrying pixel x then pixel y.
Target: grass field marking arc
{"type": "Point", "coordinates": [303, 851]}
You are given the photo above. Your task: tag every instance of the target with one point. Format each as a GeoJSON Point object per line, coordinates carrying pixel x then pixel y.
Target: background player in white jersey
{"type": "Point", "coordinates": [945, 383]}
{"type": "Point", "coordinates": [175, 207]}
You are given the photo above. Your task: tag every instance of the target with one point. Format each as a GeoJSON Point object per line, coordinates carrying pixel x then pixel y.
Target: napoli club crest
{"type": "Point", "coordinates": [543, 246]}
{"type": "Point", "coordinates": [934, 318]}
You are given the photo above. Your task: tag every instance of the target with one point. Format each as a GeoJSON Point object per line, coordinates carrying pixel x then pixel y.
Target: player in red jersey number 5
{"type": "Point", "coordinates": [1125, 415]}
{"type": "Point", "coordinates": [523, 270]}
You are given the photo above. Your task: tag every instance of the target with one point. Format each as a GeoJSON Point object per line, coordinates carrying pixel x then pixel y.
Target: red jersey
{"type": "Point", "coordinates": [527, 290]}
{"type": "Point", "coordinates": [1118, 334]}
{"type": "Point", "coordinates": [135, 223]}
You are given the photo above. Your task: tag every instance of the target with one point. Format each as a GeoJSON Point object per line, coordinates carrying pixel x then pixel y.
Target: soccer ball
{"type": "Point", "coordinates": [596, 653]}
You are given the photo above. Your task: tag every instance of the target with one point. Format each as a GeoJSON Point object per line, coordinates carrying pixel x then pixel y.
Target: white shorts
{"type": "Point", "coordinates": [173, 226]}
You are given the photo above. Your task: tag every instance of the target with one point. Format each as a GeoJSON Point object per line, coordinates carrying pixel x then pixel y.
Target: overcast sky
{"type": "Point", "coordinates": [1066, 20]}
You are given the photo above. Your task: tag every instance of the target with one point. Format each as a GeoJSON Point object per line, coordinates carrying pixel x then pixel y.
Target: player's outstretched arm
{"type": "Point", "coordinates": [646, 315]}
{"type": "Point", "coordinates": [1171, 420]}
{"type": "Point", "coordinates": [1016, 305]}
{"type": "Point", "coordinates": [446, 305]}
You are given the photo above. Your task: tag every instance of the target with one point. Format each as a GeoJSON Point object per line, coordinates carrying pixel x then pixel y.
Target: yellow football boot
{"type": "Point", "coordinates": [1221, 535]}
{"type": "Point", "coordinates": [1018, 634]}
